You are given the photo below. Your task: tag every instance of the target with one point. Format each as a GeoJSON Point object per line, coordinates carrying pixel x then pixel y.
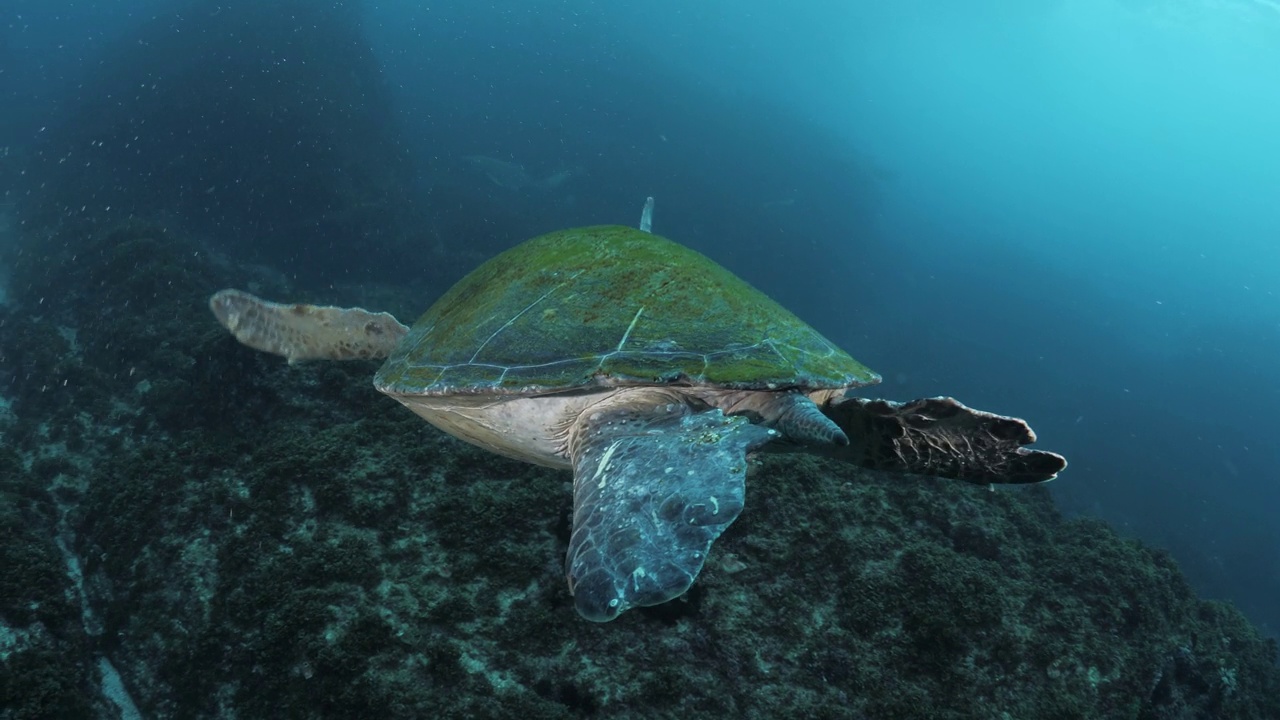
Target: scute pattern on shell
{"type": "Point", "coordinates": [609, 306]}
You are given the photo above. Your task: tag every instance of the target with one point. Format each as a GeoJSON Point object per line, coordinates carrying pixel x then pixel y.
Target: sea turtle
{"type": "Point", "coordinates": [652, 373]}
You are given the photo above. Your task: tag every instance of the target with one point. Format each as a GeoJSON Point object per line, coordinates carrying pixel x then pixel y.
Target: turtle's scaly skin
{"type": "Point", "coordinates": [609, 306]}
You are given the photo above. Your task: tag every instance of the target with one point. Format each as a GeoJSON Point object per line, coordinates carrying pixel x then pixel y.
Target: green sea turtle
{"type": "Point", "coordinates": [652, 373]}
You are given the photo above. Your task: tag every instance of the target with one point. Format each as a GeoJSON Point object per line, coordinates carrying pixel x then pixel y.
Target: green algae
{"type": "Point", "coordinates": [609, 305]}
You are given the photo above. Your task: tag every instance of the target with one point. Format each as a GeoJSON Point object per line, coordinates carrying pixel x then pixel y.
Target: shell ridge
{"type": "Point", "coordinates": [518, 315]}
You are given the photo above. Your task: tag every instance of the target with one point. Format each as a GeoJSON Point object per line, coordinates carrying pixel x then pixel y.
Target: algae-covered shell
{"type": "Point", "coordinates": [609, 306]}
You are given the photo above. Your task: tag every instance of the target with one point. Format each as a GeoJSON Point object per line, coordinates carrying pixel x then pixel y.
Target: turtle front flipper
{"type": "Point", "coordinates": [653, 488]}
{"type": "Point", "coordinates": [941, 437]}
{"type": "Point", "coordinates": [306, 332]}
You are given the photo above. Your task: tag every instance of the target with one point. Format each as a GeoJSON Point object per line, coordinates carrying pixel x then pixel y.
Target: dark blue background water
{"type": "Point", "coordinates": [1068, 211]}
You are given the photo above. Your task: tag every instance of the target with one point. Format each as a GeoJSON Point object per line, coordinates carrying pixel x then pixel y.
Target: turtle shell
{"type": "Point", "coordinates": [609, 306]}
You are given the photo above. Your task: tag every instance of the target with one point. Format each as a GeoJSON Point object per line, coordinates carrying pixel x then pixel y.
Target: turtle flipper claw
{"type": "Point", "coordinates": [941, 437]}
{"type": "Point", "coordinates": [651, 491]}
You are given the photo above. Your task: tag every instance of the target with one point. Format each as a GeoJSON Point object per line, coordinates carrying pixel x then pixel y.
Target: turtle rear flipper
{"type": "Point", "coordinates": [306, 332]}
{"type": "Point", "coordinates": [941, 437]}
{"type": "Point", "coordinates": [652, 489]}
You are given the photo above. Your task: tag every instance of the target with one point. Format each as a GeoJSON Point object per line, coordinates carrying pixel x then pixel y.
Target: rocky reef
{"type": "Point", "coordinates": [192, 529]}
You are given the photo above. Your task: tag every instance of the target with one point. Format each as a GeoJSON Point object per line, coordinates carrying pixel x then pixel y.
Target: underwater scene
{"type": "Point", "coordinates": [587, 359]}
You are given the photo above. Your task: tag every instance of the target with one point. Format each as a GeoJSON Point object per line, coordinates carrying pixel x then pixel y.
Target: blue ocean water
{"type": "Point", "coordinates": [1064, 211]}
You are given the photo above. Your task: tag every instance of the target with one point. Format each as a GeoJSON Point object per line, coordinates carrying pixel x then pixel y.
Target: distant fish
{"type": "Point", "coordinates": [513, 176]}
{"type": "Point", "coordinates": [501, 172]}
{"type": "Point", "coordinates": [556, 179]}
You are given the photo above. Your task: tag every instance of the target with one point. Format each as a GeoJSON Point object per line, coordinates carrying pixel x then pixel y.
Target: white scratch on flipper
{"type": "Point", "coordinates": [604, 464]}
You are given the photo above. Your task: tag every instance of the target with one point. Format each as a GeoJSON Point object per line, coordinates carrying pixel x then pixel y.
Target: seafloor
{"type": "Point", "coordinates": [191, 529]}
